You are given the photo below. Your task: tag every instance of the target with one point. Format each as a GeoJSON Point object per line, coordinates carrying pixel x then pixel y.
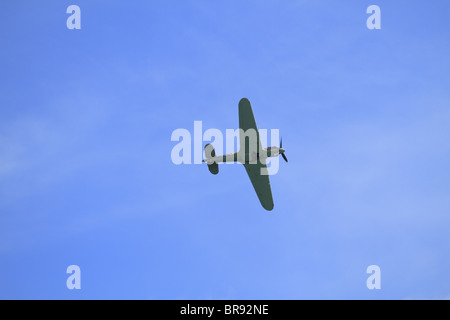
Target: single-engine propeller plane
{"type": "Point", "coordinates": [251, 154]}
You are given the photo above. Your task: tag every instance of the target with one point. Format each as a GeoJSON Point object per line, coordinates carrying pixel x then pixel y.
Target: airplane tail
{"type": "Point", "coordinates": [210, 153]}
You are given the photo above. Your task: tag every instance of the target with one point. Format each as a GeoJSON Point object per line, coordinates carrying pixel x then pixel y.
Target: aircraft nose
{"type": "Point", "coordinates": [282, 150]}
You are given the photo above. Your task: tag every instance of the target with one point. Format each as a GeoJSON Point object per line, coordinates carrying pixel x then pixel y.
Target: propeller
{"type": "Point", "coordinates": [282, 150]}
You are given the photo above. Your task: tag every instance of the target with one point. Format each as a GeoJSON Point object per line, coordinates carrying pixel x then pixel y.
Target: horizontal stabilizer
{"type": "Point", "coordinates": [213, 168]}
{"type": "Point", "coordinates": [211, 153]}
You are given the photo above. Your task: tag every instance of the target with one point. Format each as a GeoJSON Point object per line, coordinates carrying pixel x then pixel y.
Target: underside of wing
{"type": "Point", "coordinates": [247, 123]}
{"type": "Point", "coordinates": [261, 183]}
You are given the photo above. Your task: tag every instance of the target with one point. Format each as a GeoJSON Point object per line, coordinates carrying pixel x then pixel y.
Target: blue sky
{"type": "Point", "coordinates": [86, 176]}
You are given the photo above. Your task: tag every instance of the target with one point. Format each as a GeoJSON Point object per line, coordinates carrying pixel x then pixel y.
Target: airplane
{"type": "Point", "coordinates": [251, 154]}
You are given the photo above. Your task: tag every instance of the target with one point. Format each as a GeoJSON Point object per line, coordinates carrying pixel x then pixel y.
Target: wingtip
{"type": "Point", "coordinates": [244, 100]}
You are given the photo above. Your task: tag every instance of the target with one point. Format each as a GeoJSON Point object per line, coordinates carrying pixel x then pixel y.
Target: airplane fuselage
{"type": "Point", "coordinates": [246, 157]}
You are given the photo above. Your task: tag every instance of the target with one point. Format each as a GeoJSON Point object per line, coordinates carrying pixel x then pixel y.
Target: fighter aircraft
{"type": "Point", "coordinates": [251, 154]}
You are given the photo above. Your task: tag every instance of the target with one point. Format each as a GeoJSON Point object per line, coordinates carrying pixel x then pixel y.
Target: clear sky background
{"type": "Point", "coordinates": [86, 176]}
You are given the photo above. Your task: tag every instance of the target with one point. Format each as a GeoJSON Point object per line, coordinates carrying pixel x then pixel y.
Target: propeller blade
{"type": "Point", "coordinates": [284, 157]}
{"type": "Point", "coordinates": [281, 143]}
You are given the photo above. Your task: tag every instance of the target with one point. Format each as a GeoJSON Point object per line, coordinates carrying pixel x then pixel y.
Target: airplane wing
{"type": "Point", "coordinates": [246, 122]}
{"type": "Point", "coordinates": [261, 183]}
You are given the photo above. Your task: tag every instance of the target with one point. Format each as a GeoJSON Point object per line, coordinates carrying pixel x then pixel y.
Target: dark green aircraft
{"type": "Point", "coordinates": [251, 154]}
